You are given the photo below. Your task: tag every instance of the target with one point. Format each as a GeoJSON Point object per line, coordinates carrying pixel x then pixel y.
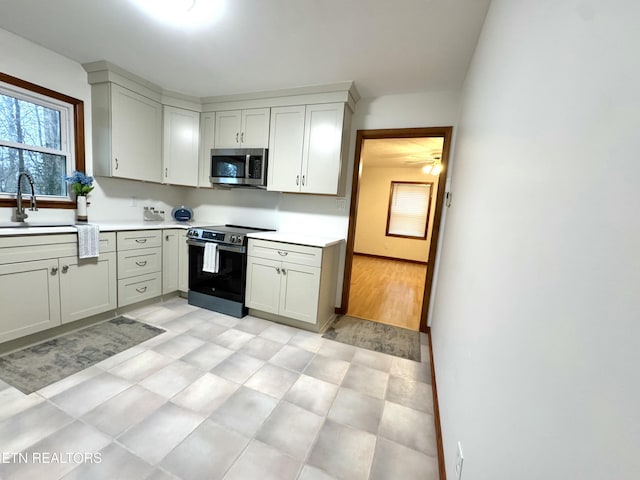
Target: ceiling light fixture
{"type": "Point", "coordinates": [182, 13]}
{"type": "Point", "coordinates": [433, 168]}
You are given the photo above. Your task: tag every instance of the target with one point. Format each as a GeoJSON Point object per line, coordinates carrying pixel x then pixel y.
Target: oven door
{"type": "Point", "coordinates": [229, 282]}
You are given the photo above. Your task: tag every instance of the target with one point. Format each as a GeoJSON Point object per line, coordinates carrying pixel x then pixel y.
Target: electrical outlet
{"type": "Point", "coordinates": [459, 461]}
{"type": "Point", "coordinates": [341, 204]}
{"type": "Point", "coordinates": [134, 202]}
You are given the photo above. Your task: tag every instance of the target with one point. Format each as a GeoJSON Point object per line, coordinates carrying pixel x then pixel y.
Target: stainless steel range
{"type": "Point", "coordinates": [217, 267]}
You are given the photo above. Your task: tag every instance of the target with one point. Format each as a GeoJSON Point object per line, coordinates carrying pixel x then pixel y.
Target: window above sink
{"type": "Point", "coordinates": [42, 133]}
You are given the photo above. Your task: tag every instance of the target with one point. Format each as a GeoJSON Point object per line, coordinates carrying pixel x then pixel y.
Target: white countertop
{"type": "Point", "coordinates": [53, 228]}
{"type": "Point", "coordinates": [297, 238]}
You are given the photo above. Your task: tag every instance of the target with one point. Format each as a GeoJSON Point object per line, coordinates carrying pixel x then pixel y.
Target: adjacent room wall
{"type": "Point", "coordinates": [535, 328]}
{"type": "Point", "coordinates": [373, 208]}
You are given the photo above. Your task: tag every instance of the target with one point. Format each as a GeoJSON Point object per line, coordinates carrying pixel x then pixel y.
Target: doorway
{"type": "Point", "coordinates": [396, 205]}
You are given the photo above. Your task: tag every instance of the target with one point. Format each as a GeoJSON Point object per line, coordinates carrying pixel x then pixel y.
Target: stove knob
{"type": "Point", "coordinates": [233, 239]}
{"type": "Point", "coordinates": [239, 239]}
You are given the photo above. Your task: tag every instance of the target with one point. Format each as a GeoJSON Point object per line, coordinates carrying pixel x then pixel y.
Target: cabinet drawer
{"type": "Point", "coordinates": [136, 289]}
{"type": "Point", "coordinates": [286, 252]}
{"type": "Point", "coordinates": [139, 262]}
{"type": "Point", "coordinates": [139, 239]}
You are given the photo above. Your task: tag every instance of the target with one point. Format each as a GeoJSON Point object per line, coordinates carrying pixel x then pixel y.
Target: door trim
{"type": "Point", "coordinates": [362, 135]}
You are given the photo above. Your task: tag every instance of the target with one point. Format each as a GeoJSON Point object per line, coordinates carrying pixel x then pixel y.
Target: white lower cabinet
{"type": "Point", "coordinates": [183, 262]}
{"type": "Point", "coordinates": [292, 282]}
{"type": "Point", "coordinates": [139, 266]}
{"type": "Point", "coordinates": [87, 287]}
{"type": "Point", "coordinates": [30, 298]}
{"type": "Point", "coordinates": [43, 283]}
{"type": "Point", "coordinates": [170, 260]}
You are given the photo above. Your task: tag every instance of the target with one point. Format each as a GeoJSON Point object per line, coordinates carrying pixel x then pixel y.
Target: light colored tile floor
{"type": "Point", "coordinates": [220, 398]}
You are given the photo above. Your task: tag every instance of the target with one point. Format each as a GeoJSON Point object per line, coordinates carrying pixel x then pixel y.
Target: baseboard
{"type": "Point", "coordinates": [389, 258]}
{"type": "Point", "coordinates": [436, 412]}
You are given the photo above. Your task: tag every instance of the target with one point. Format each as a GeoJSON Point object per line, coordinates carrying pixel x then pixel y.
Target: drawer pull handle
{"type": "Point", "coordinates": [141, 290]}
{"type": "Point", "coordinates": [65, 268]}
{"type": "Point", "coordinates": [54, 270]}
{"type": "Point", "coordinates": [283, 254]}
{"type": "Point", "coordinates": [297, 180]}
{"type": "Point", "coordinates": [278, 270]}
{"type": "Point", "coordinates": [284, 272]}
{"type": "Point", "coordinates": [141, 264]}
{"type": "Point", "coordinates": [141, 240]}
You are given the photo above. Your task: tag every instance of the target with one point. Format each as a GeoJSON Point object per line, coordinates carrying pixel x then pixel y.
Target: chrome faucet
{"type": "Point", "coordinates": [21, 215]}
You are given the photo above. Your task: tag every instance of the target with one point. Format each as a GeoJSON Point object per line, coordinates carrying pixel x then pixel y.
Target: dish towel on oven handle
{"type": "Point", "coordinates": [211, 260]}
{"type": "Point", "coordinates": [88, 241]}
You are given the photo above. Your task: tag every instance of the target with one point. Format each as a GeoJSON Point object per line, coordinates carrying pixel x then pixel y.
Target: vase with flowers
{"type": "Point", "coordinates": [81, 185]}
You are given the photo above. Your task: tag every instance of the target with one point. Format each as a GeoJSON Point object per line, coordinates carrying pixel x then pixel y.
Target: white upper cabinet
{"type": "Point", "coordinates": [180, 146]}
{"type": "Point", "coordinates": [286, 139]}
{"type": "Point", "coordinates": [242, 128]}
{"type": "Point", "coordinates": [127, 134]}
{"type": "Point", "coordinates": [306, 148]}
{"type": "Point", "coordinates": [207, 142]}
{"type": "Point", "coordinates": [321, 157]}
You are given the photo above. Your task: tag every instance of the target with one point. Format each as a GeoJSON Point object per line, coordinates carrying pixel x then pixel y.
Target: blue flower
{"type": "Point", "coordinates": [81, 183]}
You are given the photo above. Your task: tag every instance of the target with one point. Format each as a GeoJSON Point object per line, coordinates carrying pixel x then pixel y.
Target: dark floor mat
{"type": "Point", "coordinates": [40, 365]}
{"type": "Point", "coordinates": [376, 336]}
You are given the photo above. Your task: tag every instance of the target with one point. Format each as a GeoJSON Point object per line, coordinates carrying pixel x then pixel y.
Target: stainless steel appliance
{"type": "Point", "coordinates": [224, 290]}
{"type": "Point", "coordinates": [239, 167]}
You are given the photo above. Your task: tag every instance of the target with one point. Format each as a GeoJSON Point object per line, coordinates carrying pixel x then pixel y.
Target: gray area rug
{"type": "Point", "coordinates": [40, 365]}
{"type": "Point", "coordinates": [376, 336]}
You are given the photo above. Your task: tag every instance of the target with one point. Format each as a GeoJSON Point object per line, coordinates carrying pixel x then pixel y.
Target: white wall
{"type": "Point", "coordinates": [111, 199]}
{"type": "Point", "coordinates": [536, 324]}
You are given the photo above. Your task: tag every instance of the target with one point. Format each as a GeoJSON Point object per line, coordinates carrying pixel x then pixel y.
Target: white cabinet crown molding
{"type": "Point", "coordinates": [103, 71]}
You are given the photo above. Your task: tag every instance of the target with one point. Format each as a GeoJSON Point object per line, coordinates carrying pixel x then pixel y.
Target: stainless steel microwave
{"type": "Point", "coordinates": [239, 167]}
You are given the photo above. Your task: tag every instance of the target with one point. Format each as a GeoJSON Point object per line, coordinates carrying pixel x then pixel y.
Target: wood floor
{"type": "Point", "coordinates": [387, 291]}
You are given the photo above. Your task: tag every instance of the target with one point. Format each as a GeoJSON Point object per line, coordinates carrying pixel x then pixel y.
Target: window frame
{"type": "Point", "coordinates": [76, 127]}
{"type": "Point", "coordinates": [426, 227]}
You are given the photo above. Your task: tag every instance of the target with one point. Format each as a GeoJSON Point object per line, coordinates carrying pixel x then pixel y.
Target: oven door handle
{"type": "Point", "coordinates": [222, 248]}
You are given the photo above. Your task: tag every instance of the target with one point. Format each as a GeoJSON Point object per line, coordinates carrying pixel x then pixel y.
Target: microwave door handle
{"type": "Point", "coordinates": [247, 165]}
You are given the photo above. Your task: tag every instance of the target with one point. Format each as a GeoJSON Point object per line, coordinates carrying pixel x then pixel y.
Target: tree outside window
{"type": "Point", "coordinates": [41, 132]}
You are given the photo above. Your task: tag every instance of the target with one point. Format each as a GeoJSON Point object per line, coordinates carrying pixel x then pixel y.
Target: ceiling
{"type": "Point", "coordinates": [386, 47]}
{"type": "Point", "coordinates": [401, 152]}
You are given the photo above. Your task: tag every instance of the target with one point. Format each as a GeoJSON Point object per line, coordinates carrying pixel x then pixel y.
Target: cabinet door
{"type": "Point", "coordinates": [285, 148]}
{"type": "Point", "coordinates": [321, 159]}
{"type": "Point", "coordinates": [87, 286]}
{"type": "Point", "coordinates": [180, 152]}
{"type": "Point", "coordinates": [228, 126]}
{"type": "Point", "coordinates": [136, 125]}
{"type": "Point", "coordinates": [207, 135]}
{"type": "Point", "coordinates": [255, 128]}
{"type": "Point", "coordinates": [170, 260]}
{"type": "Point", "coordinates": [30, 298]}
{"type": "Point", "coordinates": [183, 262]}
{"type": "Point", "coordinates": [299, 292]}
{"type": "Point", "coordinates": [263, 284]}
